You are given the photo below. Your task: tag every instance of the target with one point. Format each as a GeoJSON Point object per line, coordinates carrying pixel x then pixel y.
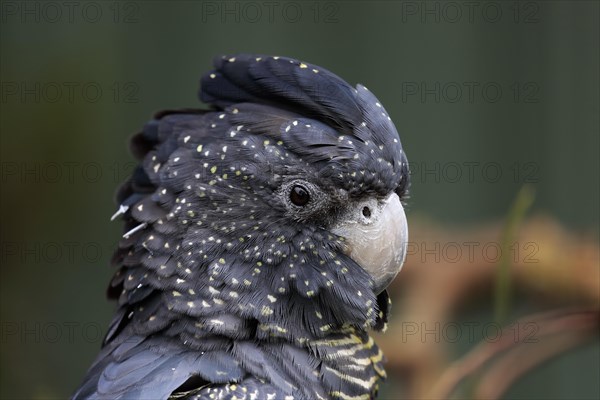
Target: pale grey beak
{"type": "Point", "coordinates": [376, 233]}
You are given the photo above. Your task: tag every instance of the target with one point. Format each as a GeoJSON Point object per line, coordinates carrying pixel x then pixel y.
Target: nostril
{"type": "Point", "coordinates": [366, 211]}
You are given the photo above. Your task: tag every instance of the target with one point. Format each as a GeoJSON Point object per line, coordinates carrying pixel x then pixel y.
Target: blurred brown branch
{"type": "Point", "coordinates": [551, 267]}
{"type": "Point", "coordinates": [581, 324]}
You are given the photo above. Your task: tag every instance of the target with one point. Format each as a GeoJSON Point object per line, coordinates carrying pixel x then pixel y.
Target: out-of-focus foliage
{"type": "Point", "coordinates": [487, 97]}
{"type": "Point", "coordinates": [444, 308]}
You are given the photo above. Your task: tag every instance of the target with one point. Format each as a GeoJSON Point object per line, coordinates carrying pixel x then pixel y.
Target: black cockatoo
{"type": "Point", "coordinates": [260, 237]}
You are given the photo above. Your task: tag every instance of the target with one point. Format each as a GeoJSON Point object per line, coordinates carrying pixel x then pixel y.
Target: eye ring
{"type": "Point", "coordinates": [299, 195]}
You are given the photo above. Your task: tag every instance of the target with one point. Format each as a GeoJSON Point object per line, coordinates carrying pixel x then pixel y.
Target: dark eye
{"type": "Point", "coordinates": [299, 196]}
{"type": "Point", "coordinates": [366, 211]}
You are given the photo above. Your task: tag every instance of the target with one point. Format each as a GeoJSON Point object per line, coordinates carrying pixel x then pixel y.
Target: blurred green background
{"type": "Point", "coordinates": [487, 96]}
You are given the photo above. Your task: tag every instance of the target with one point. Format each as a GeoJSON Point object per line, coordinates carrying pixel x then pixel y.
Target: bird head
{"type": "Point", "coordinates": [344, 170]}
